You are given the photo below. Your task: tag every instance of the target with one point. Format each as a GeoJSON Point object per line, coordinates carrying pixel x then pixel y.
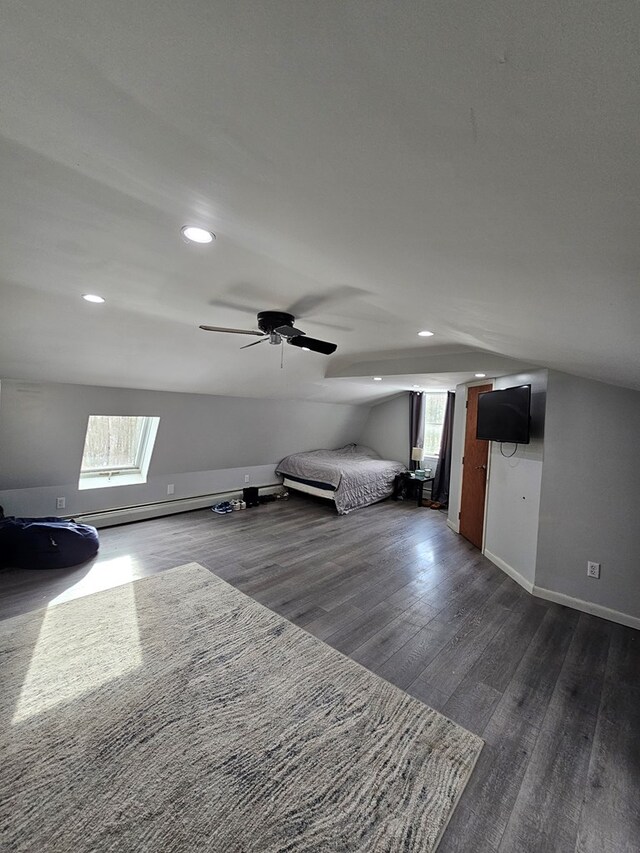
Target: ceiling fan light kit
{"type": "Point", "coordinates": [276, 326]}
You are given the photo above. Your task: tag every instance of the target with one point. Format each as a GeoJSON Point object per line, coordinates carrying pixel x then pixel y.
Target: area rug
{"type": "Point", "coordinates": [176, 714]}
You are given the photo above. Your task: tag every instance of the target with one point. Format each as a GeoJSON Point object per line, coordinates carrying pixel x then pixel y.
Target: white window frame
{"type": "Point", "coordinates": [125, 475]}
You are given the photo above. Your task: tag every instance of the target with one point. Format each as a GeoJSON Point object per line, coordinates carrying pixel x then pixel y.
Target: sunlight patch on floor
{"type": "Point", "coordinates": [81, 646]}
{"type": "Point", "coordinates": [102, 575]}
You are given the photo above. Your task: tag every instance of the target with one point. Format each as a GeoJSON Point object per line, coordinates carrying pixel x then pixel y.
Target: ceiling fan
{"type": "Point", "coordinates": [276, 326]}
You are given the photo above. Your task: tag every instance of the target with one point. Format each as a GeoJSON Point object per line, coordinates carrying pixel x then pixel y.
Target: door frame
{"type": "Point", "coordinates": [489, 380]}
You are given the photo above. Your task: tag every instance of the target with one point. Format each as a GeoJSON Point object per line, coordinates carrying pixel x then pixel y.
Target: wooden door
{"type": "Point", "coordinates": [474, 473]}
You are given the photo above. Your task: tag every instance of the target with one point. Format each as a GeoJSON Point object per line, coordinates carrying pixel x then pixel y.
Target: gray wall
{"type": "Point", "coordinates": [205, 444]}
{"type": "Point", "coordinates": [387, 429]}
{"type": "Point", "coordinates": [569, 496]}
{"type": "Point", "coordinates": [513, 489]}
{"type": "Point", "coordinates": [589, 505]}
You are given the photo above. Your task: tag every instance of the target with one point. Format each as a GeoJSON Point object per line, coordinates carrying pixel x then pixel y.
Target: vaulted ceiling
{"type": "Point", "coordinates": [468, 168]}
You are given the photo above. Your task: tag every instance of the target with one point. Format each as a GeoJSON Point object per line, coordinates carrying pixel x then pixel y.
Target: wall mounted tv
{"type": "Point", "coordinates": [505, 415]}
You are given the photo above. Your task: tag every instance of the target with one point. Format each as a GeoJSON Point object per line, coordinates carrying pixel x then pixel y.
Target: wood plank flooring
{"type": "Point", "coordinates": [554, 693]}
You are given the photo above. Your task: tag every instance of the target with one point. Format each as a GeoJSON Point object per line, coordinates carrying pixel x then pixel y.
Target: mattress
{"type": "Point", "coordinates": [354, 476]}
{"type": "Point", "coordinates": [308, 489]}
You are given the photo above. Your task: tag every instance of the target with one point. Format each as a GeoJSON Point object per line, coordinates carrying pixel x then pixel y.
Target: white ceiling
{"type": "Point", "coordinates": [467, 167]}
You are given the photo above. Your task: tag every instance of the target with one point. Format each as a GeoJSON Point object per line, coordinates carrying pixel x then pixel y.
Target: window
{"type": "Point", "coordinates": [117, 450]}
{"type": "Point", "coordinates": [435, 405]}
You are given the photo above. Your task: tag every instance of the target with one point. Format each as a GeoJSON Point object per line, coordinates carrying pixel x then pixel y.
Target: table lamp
{"type": "Point", "coordinates": [417, 455]}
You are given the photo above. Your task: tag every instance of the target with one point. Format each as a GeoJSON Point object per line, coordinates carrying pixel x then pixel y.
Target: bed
{"type": "Point", "coordinates": [352, 476]}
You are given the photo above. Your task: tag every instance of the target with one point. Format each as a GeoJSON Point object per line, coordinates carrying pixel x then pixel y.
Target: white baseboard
{"type": "Point", "coordinates": [453, 525]}
{"type": "Point", "coordinates": [111, 517]}
{"type": "Point", "coordinates": [561, 598]}
{"type": "Point", "coordinates": [588, 607]}
{"type": "Point", "coordinates": [509, 570]}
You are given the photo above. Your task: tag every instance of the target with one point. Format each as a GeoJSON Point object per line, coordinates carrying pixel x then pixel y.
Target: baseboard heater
{"type": "Point", "coordinates": [140, 512]}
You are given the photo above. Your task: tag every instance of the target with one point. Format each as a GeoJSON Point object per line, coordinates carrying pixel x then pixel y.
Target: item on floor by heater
{"type": "Point", "coordinates": [250, 496]}
{"type": "Point", "coordinates": [45, 543]}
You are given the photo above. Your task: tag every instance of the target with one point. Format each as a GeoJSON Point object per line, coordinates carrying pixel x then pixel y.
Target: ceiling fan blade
{"type": "Point", "coordinates": [288, 331]}
{"type": "Point", "coordinates": [254, 343]}
{"type": "Point", "coordinates": [313, 344]}
{"type": "Point", "coordinates": [334, 326]}
{"type": "Point", "coordinates": [234, 306]}
{"type": "Point", "coordinates": [231, 331]}
{"type": "Point", "coordinates": [309, 304]}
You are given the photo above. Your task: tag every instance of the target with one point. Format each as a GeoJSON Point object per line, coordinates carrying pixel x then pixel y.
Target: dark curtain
{"type": "Point", "coordinates": [417, 405]}
{"type": "Point", "coordinates": [440, 489]}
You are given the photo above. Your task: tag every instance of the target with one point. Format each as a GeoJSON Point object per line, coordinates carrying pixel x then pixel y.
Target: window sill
{"type": "Point", "coordinates": [108, 482]}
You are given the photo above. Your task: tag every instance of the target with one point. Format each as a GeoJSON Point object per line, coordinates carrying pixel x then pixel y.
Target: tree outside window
{"type": "Point", "coordinates": [113, 443]}
{"type": "Point", "coordinates": [117, 450]}
{"type": "Point", "coordinates": [435, 405]}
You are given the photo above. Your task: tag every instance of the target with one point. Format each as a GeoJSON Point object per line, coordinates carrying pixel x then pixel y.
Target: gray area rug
{"type": "Point", "coordinates": [176, 714]}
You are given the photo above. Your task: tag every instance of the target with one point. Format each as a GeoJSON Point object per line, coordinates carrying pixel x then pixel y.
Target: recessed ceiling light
{"type": "Point", "coordinates": [305, 349]}
{"type": "Point", "coordinates": [93, 297]}
{"type": "Point", "coordinates": [193, 234]}
{"type": "Point", "coordinates": [425, 333]}
{"type": "Point", "coordinates": [480, 375]}
{"type": "Point", "coordinates": [377, 378]}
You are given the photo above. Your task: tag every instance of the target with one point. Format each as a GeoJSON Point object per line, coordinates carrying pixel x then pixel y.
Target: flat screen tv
{"type": "Point", "coordinates": [505, 415]}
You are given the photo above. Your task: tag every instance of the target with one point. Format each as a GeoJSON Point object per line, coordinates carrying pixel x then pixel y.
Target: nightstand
{"type": "Point", "coordinates": [408, 487]}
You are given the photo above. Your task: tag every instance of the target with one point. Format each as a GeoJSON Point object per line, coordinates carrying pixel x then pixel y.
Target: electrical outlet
{"type": "Point", "coordinates": [246, 478]}
{"type": "Point", "coordinates": [593, 569]}
{"type": "Point", "coordinates": [61, 503]}
{"type": "Point", "coordinates": [170, 489]}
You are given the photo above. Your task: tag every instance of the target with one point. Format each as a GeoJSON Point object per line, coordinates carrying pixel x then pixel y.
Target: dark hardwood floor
{"type": "Point", "coordinates": [554, 693]}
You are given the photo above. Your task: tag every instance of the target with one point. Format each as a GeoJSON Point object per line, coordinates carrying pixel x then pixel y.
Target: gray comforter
{"type": "Point", "coordinates": [357, 474]}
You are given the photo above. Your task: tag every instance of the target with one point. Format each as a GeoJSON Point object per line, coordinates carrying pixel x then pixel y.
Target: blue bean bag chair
{"type": "Point", "coordinates": [45, 543]}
